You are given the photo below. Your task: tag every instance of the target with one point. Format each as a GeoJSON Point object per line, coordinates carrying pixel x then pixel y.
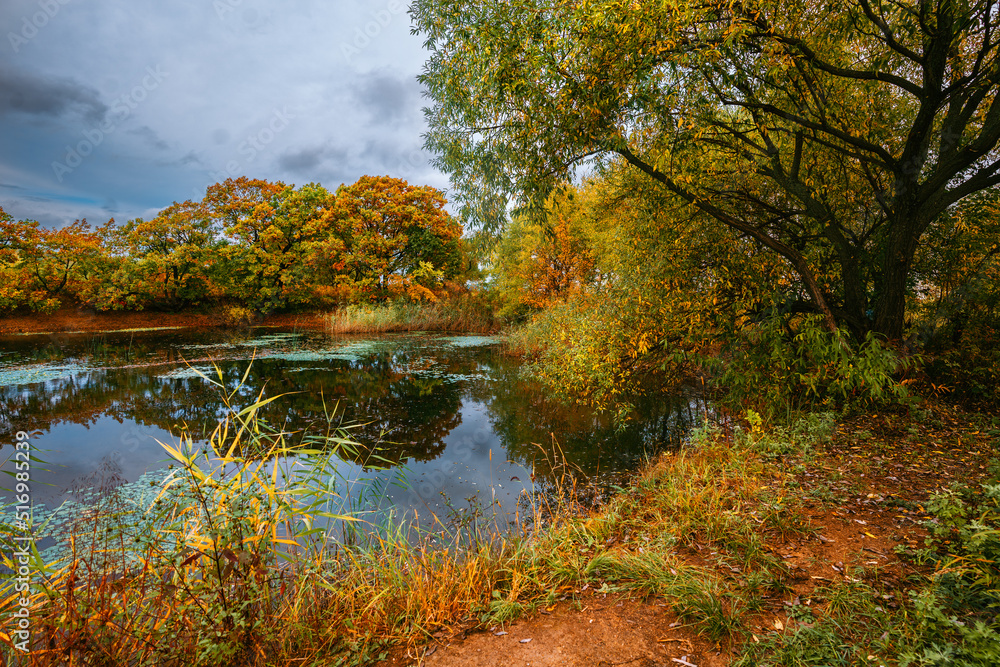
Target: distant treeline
{"type": "Point", "coordinates": [266, 246]}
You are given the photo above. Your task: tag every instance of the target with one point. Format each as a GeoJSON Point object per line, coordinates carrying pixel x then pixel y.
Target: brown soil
{"type": "Point", "coordinates": [870, 485]}
{"type": "Point", "coordinates": [593, 631]}
{"type": "Point", "coordinates": [73, 319]}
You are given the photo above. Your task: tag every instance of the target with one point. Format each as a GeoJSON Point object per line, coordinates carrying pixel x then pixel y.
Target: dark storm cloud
{"type": "Point", "coordinates": [149, 135]}
{"type": "Point", "coordinates": [306, 160]}
{"type": "Point", "coordinates": [405, 159]}
{"type": "Point", "coordinates": [48, 96]}
{"type": "Point", "coordinates": [190, 158]}
{"type": "Point", "coordinates": [388, 97]}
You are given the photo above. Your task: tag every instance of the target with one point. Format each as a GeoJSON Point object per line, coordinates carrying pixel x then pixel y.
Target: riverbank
{"type": "Point", "coordinates": [459, 313]}
{"type": "Point", "coordinates": [69, 320]}
{"type": "Point", "coordinates": [823, 544]}
{"type": "Point", "coordinates": [866, 540]}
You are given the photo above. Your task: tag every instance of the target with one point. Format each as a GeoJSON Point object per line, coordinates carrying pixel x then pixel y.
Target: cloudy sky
{"type": "Point", "coordinates": [116, 108]}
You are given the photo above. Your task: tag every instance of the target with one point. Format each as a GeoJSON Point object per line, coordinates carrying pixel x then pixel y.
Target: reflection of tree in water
{"type": "Point", "coordinates": [401, 401]}
{"type": "Point", "coordinates": [82, 397]}
{"type": "Point", "coordinates": [552, 437]}
{"type": "Point", "coordinates": [404, 415]}
{"type": "Point", "coordinates": [404, 397]}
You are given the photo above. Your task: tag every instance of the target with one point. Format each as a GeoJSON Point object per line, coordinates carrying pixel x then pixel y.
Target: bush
{"type": "Point", "coordinates": [773, 368]}
{"type": "Point", "coordinates": [797, 438]}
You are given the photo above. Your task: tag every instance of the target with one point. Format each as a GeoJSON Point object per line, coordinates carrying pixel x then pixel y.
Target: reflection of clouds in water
{"type": "Point", "coordinates": [114, 452]}
{"type": "Point", "coordinates": [469, 469]}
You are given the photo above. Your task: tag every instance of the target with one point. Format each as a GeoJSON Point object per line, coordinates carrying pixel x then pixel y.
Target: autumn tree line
{"type": "Point", "coordinates": [264, 245]}
{"type": "Point", "coordinates": [790, 203]}
{"type": "Point", "coordinates": [786, 197]}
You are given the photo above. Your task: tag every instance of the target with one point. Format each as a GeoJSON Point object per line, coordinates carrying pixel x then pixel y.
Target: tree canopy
{"type": "Point", "coordinates": [832, 135]}
{"type": "Point", "coordinates": [265, 245]}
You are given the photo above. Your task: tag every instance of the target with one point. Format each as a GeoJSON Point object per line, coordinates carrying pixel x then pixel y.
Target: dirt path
{"type": "Point", "coordinates": [594, 631]}
{"type": "Point", "coordinates": [605, 630]}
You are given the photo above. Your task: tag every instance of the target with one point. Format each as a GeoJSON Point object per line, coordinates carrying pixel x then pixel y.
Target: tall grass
{"type": "Point", "coordinates": [245, 553]}
{"type": "Point", "coordinates": [466, 313]}
{"type": "Point", "coordinates": [234, 560]}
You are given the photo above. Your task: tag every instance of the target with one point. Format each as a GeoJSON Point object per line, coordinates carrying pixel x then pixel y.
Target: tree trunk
{"type": "Point", "coordinates": [890, 301]}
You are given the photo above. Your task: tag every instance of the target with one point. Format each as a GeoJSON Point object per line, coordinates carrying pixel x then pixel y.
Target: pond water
{"type": "Point", "coordinates": [443, 420]}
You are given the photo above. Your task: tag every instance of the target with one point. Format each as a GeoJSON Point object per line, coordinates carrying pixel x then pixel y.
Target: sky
{"type": "Point", "coordinates": [117, 108]}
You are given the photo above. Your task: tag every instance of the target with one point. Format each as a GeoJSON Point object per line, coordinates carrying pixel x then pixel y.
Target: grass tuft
{"type": "Point", "coordinates": [465, 313]}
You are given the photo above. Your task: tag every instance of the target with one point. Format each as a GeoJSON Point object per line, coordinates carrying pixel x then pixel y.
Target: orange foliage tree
{"type": "Point", "coordinates": [548, 256]}
{"type": "Point", "coordinates": [55, 263]}
{"type": "Point", "coordinates": [16, 284]}
{"type": "Point", "coordinates": [163, 262]}
{"type": "Point", "coordinates": [268, 230]}
{"type": "Point", "coordinates": [393, 234]}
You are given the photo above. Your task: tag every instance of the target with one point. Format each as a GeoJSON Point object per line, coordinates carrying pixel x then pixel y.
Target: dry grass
{"type": "Point", "coordinates": [231, 572]}
{"type": "Point", "coordinates": [464, 313]}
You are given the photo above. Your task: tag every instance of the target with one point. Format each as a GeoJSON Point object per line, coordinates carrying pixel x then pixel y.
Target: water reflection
{"type": "Point", "coordinates": [452, 415]}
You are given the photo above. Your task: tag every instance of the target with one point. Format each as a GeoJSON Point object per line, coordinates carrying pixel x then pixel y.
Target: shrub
{"type": "Point", "coordinates": [773, 368]}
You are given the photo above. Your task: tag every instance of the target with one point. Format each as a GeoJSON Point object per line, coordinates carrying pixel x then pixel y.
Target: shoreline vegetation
{"type": "Point", "coordinates": [462, 313]}
{"type": "Point", "coordinates": [465, 313]}
{"type": "Point", "coordinates": [764, 545]}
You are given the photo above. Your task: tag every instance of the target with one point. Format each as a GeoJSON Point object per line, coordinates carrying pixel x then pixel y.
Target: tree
{"type": "Point", "coordinates": [832, 136]}
{"type": "Point", "coordinates": [164, 261]}
{"type": "Point", "coordinates": [269, 227]}
{"type": "Point", "coordinates": [17, 238]}
{"type": "Point", "coordinates": [61, 261]}
{"type": "Point", "coordinates": [391, 227]}
{"type": "Point", "coordinates": [12, 234]}
{"type": "Point", "coordinates": [542, 259]}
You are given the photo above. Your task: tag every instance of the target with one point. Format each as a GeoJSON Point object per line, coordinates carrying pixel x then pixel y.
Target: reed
{"type": "Point", "coordinates": [463, 313]}
{"type": "Point", "coordinates": [248, 552]}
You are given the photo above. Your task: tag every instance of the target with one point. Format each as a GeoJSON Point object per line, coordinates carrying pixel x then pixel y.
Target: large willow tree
{"type": "Point", "coordinates": [831, 132]}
